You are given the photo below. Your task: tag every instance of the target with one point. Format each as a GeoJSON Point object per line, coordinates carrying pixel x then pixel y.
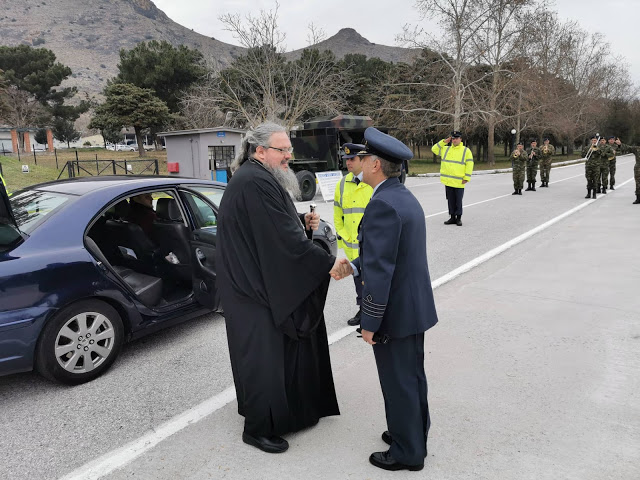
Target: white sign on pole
{"type": "Point", "coordinates": [327, 182]}
{"type": "Point", "coordinates": [25, 168]}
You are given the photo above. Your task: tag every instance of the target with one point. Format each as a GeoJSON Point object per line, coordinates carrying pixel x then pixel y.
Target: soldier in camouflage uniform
{"type": "Point", "coordinates": [546, 153]}
{"type": "Point", "coordinates": [592, 166]}
{"type": "Point", "coordinates": [614, 143]}
{"type": "Point", "coordinates": [623, 149]}
{"type": "Point", "coordinates": [533, 156]}
{"type": "Point", "coordinates": [519, 163]}
{"type": "Point", "coordinates": [606, 153]}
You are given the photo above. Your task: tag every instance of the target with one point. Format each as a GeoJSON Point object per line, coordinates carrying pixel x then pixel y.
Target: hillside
{"type": "Point", "coordinates": [87, 36]}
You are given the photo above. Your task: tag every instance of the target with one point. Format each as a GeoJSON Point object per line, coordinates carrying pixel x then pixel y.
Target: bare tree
{"type": "Point", "coordinates": [461, 21]}
{"type": "Point", "coordinates": [261, 85]}
{"type": "Point", "coordinates": [315, 35]}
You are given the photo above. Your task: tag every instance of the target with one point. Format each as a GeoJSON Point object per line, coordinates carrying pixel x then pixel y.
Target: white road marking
{"type": "Point", "coordinates": [120, 457]}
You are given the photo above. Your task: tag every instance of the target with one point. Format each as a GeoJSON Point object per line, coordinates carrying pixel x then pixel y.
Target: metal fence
{"type": "Point", "coordinates": [80, 168]}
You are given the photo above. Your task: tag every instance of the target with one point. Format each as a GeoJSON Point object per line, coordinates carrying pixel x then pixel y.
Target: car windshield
{"type": "Point", "coordinates": [32, 207]}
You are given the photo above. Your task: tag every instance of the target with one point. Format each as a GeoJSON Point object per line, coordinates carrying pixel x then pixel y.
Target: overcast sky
{"type": "Point", "coordinates": [380, 21]}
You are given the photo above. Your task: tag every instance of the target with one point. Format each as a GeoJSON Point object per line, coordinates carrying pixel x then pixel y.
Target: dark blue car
{"type": "Point", "coordinates": [89, 263]}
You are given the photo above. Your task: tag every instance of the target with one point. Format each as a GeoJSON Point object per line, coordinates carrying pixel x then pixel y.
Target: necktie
{"type": "Point", "coordinates": [357, 180]}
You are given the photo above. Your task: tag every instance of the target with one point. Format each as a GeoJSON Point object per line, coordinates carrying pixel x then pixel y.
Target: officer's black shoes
{"type": "Point", "coordinates": [266, 444]}
{"type": "Point", "coordinates": [588, 193]}
{"type": "Point", "coordinates": [352, 322]}
{"type": "Point", "coordinates": [459, 220]}
{"type": "Point", "coordinates": [386, 437]}
{"type": "Point", "coordinates": [637, 199]}
{"type": "Point", "coordinates": [385, 461]}
{"type": "Point", "coordinates": [451, 221]}
{"type": "Point", "coordinates": [593, 194]}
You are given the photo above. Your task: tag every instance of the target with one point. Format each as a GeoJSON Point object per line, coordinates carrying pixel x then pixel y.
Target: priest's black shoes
{"type": "Point", "coordinates": [385, 461]}
{"type": "Point", "coordinates": [266, 444]}
{"type": "Point", "coordinates": [355, 320]}
{"type": "Point", "coordinates": [386, 437]}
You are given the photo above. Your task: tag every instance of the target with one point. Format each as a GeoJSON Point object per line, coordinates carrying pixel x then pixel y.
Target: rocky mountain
{"type": "Point", "coordinates": [87, 35]}
{"type": "Point", "coordinates": [348, 41]}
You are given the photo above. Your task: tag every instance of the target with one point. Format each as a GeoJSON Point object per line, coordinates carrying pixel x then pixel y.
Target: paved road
{"type": "Point", "coordinates": [541, 383]}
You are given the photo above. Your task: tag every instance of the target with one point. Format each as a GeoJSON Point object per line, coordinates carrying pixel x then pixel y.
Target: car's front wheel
{"type": "Point", "coordinates": [80, 342]}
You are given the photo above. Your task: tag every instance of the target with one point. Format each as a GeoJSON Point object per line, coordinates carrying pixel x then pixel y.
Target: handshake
{"type": "Point", "coordinates": [341, 269]}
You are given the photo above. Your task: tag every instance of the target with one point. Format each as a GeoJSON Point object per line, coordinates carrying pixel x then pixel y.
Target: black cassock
{"type": "Point", "coordinates": [273, 284]}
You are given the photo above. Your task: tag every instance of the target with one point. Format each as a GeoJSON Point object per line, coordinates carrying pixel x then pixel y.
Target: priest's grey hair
{"type": "Point", "coordinates": [258, 136]}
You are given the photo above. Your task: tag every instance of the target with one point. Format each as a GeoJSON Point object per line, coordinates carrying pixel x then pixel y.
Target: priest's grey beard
{"type": "Point", "coordinates": [287, 180]}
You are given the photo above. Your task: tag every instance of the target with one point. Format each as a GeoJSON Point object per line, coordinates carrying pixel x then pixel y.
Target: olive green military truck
{"type": "Point", "coordinates": [316, 147]}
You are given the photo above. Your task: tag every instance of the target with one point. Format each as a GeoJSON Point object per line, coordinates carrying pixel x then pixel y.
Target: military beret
{"type": "Point", "coordinates": [593, 137]}
{"type": "Point", "coordinates": [612, 137]}
{"type": "Point", "coordinates": [350, 150]}
{"type": "Point", "coordinates": [388, 147]}
{"type": "Point", "coordinates": [533, 140]}
{"type": "Point", "coordinates": [456, 134]}
{"type": "Point", "coordinates": [519, 143]}
{"type": "Point", "coordinates": [546, 139]}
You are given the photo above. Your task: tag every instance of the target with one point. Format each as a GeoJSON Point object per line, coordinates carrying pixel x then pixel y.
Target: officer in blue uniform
{"type": "Point", "coordinates": [397, 300]}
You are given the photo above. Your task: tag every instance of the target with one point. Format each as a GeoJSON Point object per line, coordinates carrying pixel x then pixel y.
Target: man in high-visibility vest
{"type": "Point", "coordinates": [351, 198]}
{"type": "Point", "coordinates": [456, 167]}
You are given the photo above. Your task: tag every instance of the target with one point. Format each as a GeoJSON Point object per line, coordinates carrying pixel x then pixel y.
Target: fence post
{"type": "Point", "coordinates": [97, 166]}
{"type": "Point", "coordinates": [126, 170]}
{"type": "Point", "coordinates": [55, 152]}
{"type": "Point", "coordinates": [35, 159]}
{"type": "Point", "coordinates": [18, 153]}
{"type": "Point", "coordinates": [113, 165]}
{"type": "Point", "coordinates": [70, 169]}
{"type": "Point", "coordinates": [77, 162]}
{"type": "Point", "coordinates": [156, 162]}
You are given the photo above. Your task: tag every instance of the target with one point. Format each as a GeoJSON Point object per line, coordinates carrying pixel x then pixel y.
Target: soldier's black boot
{"type": "Point", "coordinates": [597, 189]}
{"type": "Point", "coordinates": [593, 194]}
{"type": "Point", "coordinates": [604, 190]}
{"type": "Point", "coordinates": [533, 186]}
{"type": "Point", "coordinates": [459, 220]}
{"type": "Point", "coordinates": [588, 193]}
{"type": "Point", "coordinates": [637, 199]}
{"type": "Point", "coordinates": [528, 187]}
{"type": "Point", "coordinates": [515, 192]}
{"type": "Point", "coordinates": [519, 191]}
{"type": "Point", "coordinates": [451, 221]}
{"type": "Point", "coordinates": [611, 187]}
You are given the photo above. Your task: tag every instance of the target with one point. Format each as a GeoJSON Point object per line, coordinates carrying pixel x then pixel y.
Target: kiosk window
{"type": "Point", "coordinates": [221, 157]}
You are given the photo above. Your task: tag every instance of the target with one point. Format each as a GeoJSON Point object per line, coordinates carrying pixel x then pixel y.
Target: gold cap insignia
{"type": "Point", "coordinates": [347, 150]}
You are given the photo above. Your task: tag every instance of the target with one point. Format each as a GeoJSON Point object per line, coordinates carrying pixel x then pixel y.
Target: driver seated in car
{"type": "Point", "coordinates": [142, 213]}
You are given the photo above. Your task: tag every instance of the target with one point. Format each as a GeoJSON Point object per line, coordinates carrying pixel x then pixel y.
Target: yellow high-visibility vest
{"type": "Point", "coordinates": [456, 164]}
{"type": "Point", "coordinates": [349, 203]}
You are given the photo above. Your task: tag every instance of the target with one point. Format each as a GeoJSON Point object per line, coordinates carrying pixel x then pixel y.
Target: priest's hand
{"type": "Point", "coordinates": [311, 221]}
{"type": "Point", "coordinates": [367, 336]}
{"type": "Point", "coordinates": [341, 269]}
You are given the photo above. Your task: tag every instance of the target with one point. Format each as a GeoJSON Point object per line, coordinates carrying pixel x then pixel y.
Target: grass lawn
{"type": "Point", "coordinates": [96, 158]}
{"type": "Point", "coordinates": [426, 165]}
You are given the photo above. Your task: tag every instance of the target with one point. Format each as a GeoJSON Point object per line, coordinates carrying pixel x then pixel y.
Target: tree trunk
{"type": "Point", "coordinates": [491, 127]}
{"type": "Point", "coordinates": [138, 131]}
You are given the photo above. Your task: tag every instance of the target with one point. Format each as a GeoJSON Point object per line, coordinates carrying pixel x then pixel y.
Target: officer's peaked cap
{"type": "Point", "coordinates": [456, 134]}
{"type": "Point", "coordinates": [388, 147]}
{"type": "Point", "coordinates": [350, 150]}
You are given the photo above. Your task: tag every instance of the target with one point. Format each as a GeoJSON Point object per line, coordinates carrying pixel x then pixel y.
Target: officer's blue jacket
{"type": "Point", "coordinates": [397, 298]}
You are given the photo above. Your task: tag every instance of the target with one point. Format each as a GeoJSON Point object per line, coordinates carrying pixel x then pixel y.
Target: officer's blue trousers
{"type": "Point", "coordinates": [454, 198]}
{"type": "Point", "coordinates": [404, 388]}
{"type": "Point", "coordinates": [358, 283]}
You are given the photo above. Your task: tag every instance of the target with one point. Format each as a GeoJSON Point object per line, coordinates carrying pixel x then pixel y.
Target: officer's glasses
{"type": "Point", "coordinates": [283, 150]}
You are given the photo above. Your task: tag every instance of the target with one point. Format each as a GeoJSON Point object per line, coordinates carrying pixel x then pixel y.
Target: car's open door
{"type": "Point", "coordinates": [203, 248]}
{"type": "Point", "coordinates": [6, 213]}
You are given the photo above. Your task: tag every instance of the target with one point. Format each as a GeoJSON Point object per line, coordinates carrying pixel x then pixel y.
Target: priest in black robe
{"type": "Point", "coordinates": [273, 283]}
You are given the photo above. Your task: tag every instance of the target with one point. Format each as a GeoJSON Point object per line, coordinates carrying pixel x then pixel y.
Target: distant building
{"type": "Point", "coordinates": [202, 153]}
{"type": "Point", "coordinates": [9, 140]}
